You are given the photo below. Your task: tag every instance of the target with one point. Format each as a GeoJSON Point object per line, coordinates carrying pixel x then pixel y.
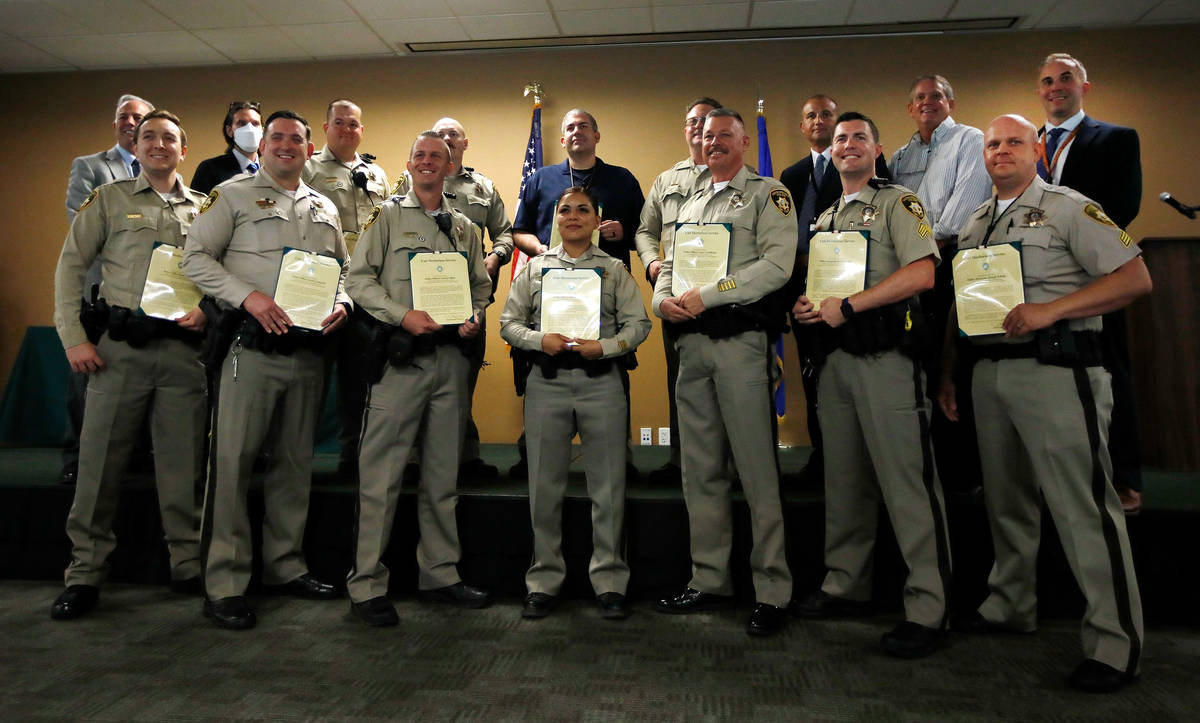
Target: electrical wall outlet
{"type": "Point", "coordinates": [664, 436]}
{"type": "Point", "coordinates": [646, 438]}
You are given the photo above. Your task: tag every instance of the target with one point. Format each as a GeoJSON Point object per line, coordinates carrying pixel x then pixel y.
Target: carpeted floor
{"type": "Point", "coordinates": [145, 654]}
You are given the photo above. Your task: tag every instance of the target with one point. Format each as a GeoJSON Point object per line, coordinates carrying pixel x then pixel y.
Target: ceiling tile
{"type": "Point", "coordinates": [115, 16]}
{"type": "Point", "coordinates": [700, 17]}
{"type": "Point", "coordinates": [31, 19]}
{"type": "Point", "coordinates": [298, 12]}
{"type": "Point", "coordinates": [90, 51]}
{"type": "Point", "coordinates": [1092, 13]}
{"type": "Point", "coordinates": [799, 13]}
{"type": "Point", "coordinates": [177, 47]}
{"type": "Point", "coordinates": [873, 12]}
{"type": "Point", "coordinates": [520, 25]}
{"type": "Point", "coordinates": [613, 21]}
{"type": "Point", "coordinates": [401, 9]}
{"type": "Point", "coordinates": [198, 14]}
{"type": "Point", "coordinates": [1186, 10]}
{"type": "Point", "coordinates": [561, 5]}
{"type": "Point", "coordinates": [248, 45]}
{"type": "Point", "coordinates": [491, 7]}
{"type": "Point", "coordinates": [424, 30]}
{"type": "Point", "coordinates": [19, 57]}
{"type": "Point", "coordinates": [336, 40]}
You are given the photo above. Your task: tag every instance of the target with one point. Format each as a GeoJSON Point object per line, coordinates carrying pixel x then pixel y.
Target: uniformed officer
{"type": "Point", "coordinates": [1043, 401]}
{"type": "Point", "coordinates": [475, 195]}
{"type": "Point", "coordinates": [874, 413]}
{"type": "Point", "coordinates": [356, 185]}
{"type": "Point", "coordinates": [724, 386]}
{"type": "Point", "coordinates": [270, 381]}
{"type": "Point", "coordinates": [575, 385]}
{"type": "Point", "coordinates": [420, 394]}
{"type": "Point", "coordinates": [653, 239]}
{"type": "Point", "coordinates": [156, 366]}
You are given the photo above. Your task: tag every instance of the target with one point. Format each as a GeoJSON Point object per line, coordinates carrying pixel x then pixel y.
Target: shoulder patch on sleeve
{"type": "Point", "coordinates": [912, 204]}
{"type": "Point", "coordinates": [1093, 212]}
{"type": "Point", "coordinates": [91, 197]}
{"type": "Point", "coordinates": [782, 200]}
{"type": "Point", "coordinates": [208, 202]}
{"type": "Point", "coordinates": [371, 219]}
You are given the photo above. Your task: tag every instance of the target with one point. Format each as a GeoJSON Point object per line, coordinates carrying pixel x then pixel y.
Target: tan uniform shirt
{"type": "Point", "coordinates": [656, 229]}
{"type": "Point", "coordinates": [762, 243]}
{"type": "Point", "coordinates": [1066, 242]}
{"type": "Point", "coordinates": [894, 218]}
{"type": "Point", "coordinates": [119, 224]}
{"type": "Point", "coordinates": [236, 243]}
{"type": "Point", "coordinates": [475, 196]}
{"type": "Point", "coordinates": [333, 179]}
{"type": "Point", "coordinates": [623, 321]}
{"type": "Point", "coordinates": [380, 280]}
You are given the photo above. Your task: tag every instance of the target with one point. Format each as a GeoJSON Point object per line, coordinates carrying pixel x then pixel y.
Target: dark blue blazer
{"type": "Point", "coordinates": [212, 171]}
{"type": "Point", "coordinates": [1104, 163]}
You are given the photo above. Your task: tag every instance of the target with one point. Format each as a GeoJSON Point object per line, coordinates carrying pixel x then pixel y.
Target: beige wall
{"type": "Point", "coordinates": [1143, 78]}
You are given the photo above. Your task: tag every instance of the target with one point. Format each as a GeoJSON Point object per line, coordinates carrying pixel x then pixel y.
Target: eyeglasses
{"type": "Point", "coordinates": [694, 121]}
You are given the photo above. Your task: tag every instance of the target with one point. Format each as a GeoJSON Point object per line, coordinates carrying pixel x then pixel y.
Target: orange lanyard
{"type": "Point", "coordinates": [1049, 164]}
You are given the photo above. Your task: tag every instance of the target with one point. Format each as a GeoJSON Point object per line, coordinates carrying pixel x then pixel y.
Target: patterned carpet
{"type": "Point", "coordinates": [146, 654]}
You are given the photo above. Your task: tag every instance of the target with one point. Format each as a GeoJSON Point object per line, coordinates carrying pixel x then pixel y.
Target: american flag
{"type": "Point", "coordinates": [765, 169]}
{"type": "Point", "coordinates": [532, 162]}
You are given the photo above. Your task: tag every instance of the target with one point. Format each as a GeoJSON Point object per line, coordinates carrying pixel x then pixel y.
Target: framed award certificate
{"type": "Point", "coordinates": [571, 302]}
{"type": "Point", "coordinates": [307, 287]}
{"type": "Point", "coordinates": [837, 265]}
{"type": "Point", "coordinates": [700, 255]}
{"type": "Point", "coordinates": [441, 286]}
{"type": "Point", "coordinates": [167, 293]}
{"type": "Point", "coordinates": [988, 283]}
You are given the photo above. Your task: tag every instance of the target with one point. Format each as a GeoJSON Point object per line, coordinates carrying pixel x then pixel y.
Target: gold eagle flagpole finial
{"type": "Point", "coordinates": [536, 89]}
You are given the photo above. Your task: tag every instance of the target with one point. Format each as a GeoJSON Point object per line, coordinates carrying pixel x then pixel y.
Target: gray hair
{"type": "Point", "coordinates": [128, 97]}
{"type": "Point", "coordinates": [939, 79]}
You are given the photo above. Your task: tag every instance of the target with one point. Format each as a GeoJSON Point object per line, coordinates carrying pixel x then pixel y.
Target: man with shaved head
{"type": "Point", "coordinates": [1042, 405]}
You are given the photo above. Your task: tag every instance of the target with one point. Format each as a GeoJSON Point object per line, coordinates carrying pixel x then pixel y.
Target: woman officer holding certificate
{"type": "Point", "coordinates": [575, 316]}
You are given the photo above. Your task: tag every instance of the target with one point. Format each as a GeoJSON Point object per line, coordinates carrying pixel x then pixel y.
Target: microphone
{"type": "Point", "coordinates": [1175, 204]}
{"type": "Point", "coordinates": [360, 179]}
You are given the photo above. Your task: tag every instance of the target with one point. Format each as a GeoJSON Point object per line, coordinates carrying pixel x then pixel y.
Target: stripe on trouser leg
{"type": "Point", "coordinates": [1112, 545]}
{"type": "Point", "coordinates": [940, 539]}
{"type": "Point", "coordinates": [362, 433]}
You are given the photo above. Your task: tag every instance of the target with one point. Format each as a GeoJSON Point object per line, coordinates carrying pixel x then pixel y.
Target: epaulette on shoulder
{"type": "Point", "coordinates": [468, 169]}
{"type": "Point", "coordinates": [878, 183]}
{"type": "Point", "coordinates": [367, 157]}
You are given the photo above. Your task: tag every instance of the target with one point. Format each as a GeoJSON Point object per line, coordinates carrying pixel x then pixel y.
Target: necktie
{"type": "Point", "coordinates": [1053, 138]}
{"type": "Point", "coordinates": [136, 167]}
{"type": "Point", "coordinates": [444, 224]}
{"type": "Point", "coordinates": [251, 167]}
{"type": "Point", "coordinates": [819, 171]}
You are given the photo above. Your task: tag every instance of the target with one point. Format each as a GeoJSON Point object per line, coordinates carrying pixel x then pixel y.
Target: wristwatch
{"type": "Point", "coordinates": [847, 309]}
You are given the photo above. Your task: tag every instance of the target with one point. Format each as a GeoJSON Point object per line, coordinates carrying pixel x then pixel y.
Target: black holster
{"type": "Point", "coordinates": [93, 315]}
{"type": "Point", "coordinates": [721, 322]}
{"type": "Point", "coordinates": [1055, 345]}
{"type": "Point", "coordinates": [218, 333]}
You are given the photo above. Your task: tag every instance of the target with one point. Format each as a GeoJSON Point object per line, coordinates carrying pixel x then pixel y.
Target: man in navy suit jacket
{"type": "Point", "coordinates": [234, 160]}
{"type": "Point", "coordinates": [812, 195]}
{"type": "Point", "coordinates": [1103, 162]}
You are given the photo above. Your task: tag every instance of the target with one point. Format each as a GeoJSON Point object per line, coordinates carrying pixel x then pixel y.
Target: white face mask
{"type": "Point", "coordinates": [247, 138]}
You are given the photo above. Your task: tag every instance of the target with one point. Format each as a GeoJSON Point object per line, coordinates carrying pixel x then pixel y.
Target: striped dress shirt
{"type": "Point", "coordinates": [947, 174]}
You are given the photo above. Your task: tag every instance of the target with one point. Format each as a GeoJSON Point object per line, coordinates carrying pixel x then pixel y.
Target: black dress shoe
{"type": "Point", "coordinates": [461, 594]}
{"type": "Point", "coordinates": [305, 586]}
{"type": "Point", "coordinates": [693, 601]}
{"type": "Point", "coordinates": [821, 604]}
{"type": "Point", "coordinates": [974, 623]}
{"type": "Point", "coordinates": [190, 586]}
{"type": "Point", "coordinates": [766, 619]}
{"type": "Point", "coordinates": [378, 612]}
{"type": "Point", "coordinates": [538, 605]}
{"type": "Point", "coordinates": [477, 469]}
{"type": "Point", "coordinates": [1092, 676]}
{"type": "Point", "coordinates": [520, 470]}
{"type": "Point", "coordinates": [231, 613]}
{"type": "Point", "coordinates": [75, 602]}
{"type": "Point", "coordinates": [613, 606]}
{"type": "Point", "coordinates": [910, 640]}
{"type": "Point", "coordinates": [668, 474]}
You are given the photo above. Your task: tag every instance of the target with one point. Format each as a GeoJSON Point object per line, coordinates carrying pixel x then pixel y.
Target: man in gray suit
{"type": "Point", "coordinates": [88, 172]}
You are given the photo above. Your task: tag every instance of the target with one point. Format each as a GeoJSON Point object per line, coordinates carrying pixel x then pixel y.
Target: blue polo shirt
{"type": "Point", "coordinates": [616, 189]}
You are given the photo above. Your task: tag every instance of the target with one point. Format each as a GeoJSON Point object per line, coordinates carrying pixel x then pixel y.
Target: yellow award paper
{"type": "Point", "coordinates": [987, 285]}
{"type": "Point", "coordinates": [307, 287]}
{"type": "Point", "coordinates": [441, 286]}
{"type": "Point", "coordinates": [571, 302]}
{"type": "Point", "coordinates": [837, 265]}
{"type": "Point", "coordinates": [700, 255]}
{"type": "Point", "coordinates": [167, 294]}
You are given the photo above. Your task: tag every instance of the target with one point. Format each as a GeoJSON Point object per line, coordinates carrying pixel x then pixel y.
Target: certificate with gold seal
{"type": "Point", "coordinates": [837, 265]}
{"type": "Point", "coordinates": [307, 287]}
{"type": "Point", "coordinates": [988, 283]}
{"type": "Point", "coordinates": [441, 286]}
{"type": "Point", "coordinates": [167, 293]}
{"type": "Point", "coordinates": [700, 255]}
{"type": "Point", "coordinates": [571, 302]}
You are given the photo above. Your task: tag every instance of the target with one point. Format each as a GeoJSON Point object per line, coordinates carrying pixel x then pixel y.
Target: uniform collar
{"type": "Point", "coordinates": [142, 184]}
{"type": "Point", "coordinates": [410, 200]}
{"type": "Point", "coordinates": [737, 183]}
{"type": "Point", "coordinates": [590, 253]}
{"type": "Point", "coordinates": [264, 179]}
{"type": "Point", "coordinates": [326, 155]}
